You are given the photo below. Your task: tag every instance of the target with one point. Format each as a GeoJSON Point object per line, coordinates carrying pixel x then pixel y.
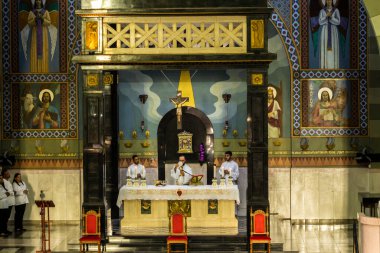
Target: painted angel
{"type": "Point", "coordinates": [38, 34]}
{"type": "Point", "coordinates": [329, 29]}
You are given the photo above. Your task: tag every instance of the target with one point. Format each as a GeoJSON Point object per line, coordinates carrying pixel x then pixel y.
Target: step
{"type": "Point", "coordinates": [158, 244]}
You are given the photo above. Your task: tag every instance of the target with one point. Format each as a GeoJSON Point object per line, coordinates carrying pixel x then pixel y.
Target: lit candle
{"type": "Point", "coordinates": [214, 170]}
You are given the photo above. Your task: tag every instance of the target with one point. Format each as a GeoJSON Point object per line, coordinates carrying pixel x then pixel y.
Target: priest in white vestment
{"type": "Point", "coordinates": [182, 172]}
{"type": "Point", "coordinates": [229, 168]}
{"type": "Point", "coordinates": [136, 170]}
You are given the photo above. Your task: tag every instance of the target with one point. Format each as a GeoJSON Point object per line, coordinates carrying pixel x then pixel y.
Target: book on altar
{"type": "Point", "coordinates": [196, 179]}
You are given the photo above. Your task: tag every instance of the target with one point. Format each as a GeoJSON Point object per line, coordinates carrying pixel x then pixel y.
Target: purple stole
{"type": "Point", "coordinates": [39, 32]}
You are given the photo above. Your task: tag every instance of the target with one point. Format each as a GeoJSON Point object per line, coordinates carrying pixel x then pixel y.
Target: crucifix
{"type": "Point", "coordinates": [178, 101]}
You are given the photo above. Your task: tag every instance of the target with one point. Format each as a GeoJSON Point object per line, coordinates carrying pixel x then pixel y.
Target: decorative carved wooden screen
{"type": "Point", "coordinates": [174, 35]}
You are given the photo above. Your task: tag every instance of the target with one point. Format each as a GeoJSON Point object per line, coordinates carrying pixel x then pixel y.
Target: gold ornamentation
{"type": "Point", "coordinates": [257, 33]}
{"type": "Point", "coordinates": [212, 206]}
{"type": "Point", "coordinates": [134, 134]}
{"type": "Point", "coordinates": [196, 180]}
{"type": "Point", "coordinates": [121, 135]}
{"type": "Point", "coordinates": [107, 79]}
{"type": "Point", "coordinates": [185, 142]}
{"type": "Point", "coordinates": [178, 101]}
{"type": "Point", "coordinates": [226, 144]}
{"type": "Point", "coordinates": [155, 35]}
{"type": "Point", "coordinates": [39, 147]}
{"type": "Point", "coordinates": [92, 35]}
{"type": "Point", "coordinates": [64, 146]}
{"type": "Point", "coordinates": [147, 134]}
{"type": "Point", "coordinates": [242, 143]}
{"type": "Point", "coordinates": [235, 133]}
{"type": "Point", "coordinates": [257, 79]}
{"type": "Point", "coordinates": [92, 80]}
{"type": "Point", "coordinates": [179, 206]}
{"type": "Point", "coordinates": [128, 144]}
{"type": "Point", "coordinates": [146, 206]}
{"type": "Point", "coordinates": [145, 144]}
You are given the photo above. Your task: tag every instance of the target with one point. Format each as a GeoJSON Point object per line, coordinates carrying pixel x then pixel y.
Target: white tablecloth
{"type": "Point", "coordinates": [176, 192]}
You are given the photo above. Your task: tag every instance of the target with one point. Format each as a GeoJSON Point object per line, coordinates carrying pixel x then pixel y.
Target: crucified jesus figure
{"type": "Point", "coordinates": [178, 101]}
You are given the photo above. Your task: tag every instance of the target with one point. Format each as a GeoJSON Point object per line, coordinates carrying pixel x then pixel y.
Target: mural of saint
{"type": "Point", "coordinates": [274, 114]}
{"type": "Point", "coordinates": [330, 103]}
{"type": "Point", "coordinates": [324, 111]}
{"type": "Point", "coordinates": [47, 116]}
{"type": "Point", "coordinates": [38, 36]}
{"type": "Point", "coordinates": [329, 29]}
{"type": "Point", "coordinates": [28, 109]}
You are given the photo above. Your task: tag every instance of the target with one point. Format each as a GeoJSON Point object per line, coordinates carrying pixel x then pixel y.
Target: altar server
{"type": "Point", "coordinates": [182, 172]}
{"type": "Point", "coordinates": [4, 193]}
{"type": "Point", "coordinates": [21, 199]}
{"type": "Point", "coordinates": [229, 168]}
{"type": "Point", "coordinates": [136, 170]}
{"type": "Point", "coordinates": [11, 198]}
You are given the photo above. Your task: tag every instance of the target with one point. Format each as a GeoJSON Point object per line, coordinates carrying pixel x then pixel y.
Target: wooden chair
{"type": "Point", "coordinates": [259, 230]}
{"type": "Point", "coordinates": [91, 230]}
{"type": "Point", "coordinates": [178, 232]}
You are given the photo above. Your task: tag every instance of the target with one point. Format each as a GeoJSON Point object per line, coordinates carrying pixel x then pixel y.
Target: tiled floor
{"type": "Point", "coordinates": [29, 241]}
{"type": "Point", "coordinates": [301, 238]}
{"type": "Point", "coordinates": [312, 238]}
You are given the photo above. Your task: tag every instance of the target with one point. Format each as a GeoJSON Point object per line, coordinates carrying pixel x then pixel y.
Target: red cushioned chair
{"type": "Point", "coordinates": [178, 227]}
{"type": "Point", "coordinates": [259, 230]}
{"type": "Point", "coordinates": [91, 230]}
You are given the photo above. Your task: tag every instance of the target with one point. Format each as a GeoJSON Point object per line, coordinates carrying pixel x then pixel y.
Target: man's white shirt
{"type": "Point", "coordinates": [11, 197]}
{"type": "Point", "coordinates": [232, 167]}
{"type": "Point", "coordinates": [135, 169]}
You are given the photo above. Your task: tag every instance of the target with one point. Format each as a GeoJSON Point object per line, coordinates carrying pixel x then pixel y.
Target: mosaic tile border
{"type": "Point", "coordinates": [73, 44]}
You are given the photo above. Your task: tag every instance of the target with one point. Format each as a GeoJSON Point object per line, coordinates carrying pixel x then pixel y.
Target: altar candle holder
{"type": "Point", "coordinates": [129, 182]}
{"type": "Point", "coordinates": [222, 182]}
{"type": "Point", "coordinates": [214, 182]}
{"type": "Point", "coordinates": [230, 182]}
{"type": "Point", "coordinates": [143, 183]}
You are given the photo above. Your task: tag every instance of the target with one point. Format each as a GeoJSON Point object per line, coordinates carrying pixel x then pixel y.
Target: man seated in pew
{"type": "Point", "coordinates": [181, 172]}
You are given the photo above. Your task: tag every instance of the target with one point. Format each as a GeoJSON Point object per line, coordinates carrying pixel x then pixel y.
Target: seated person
{"type": "Point", "coordinates": [136, 170]}
{"type": "Point", "coordinates": [182, 172]}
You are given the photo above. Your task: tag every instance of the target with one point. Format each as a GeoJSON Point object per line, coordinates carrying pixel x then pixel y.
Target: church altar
{"type": "Point", "coordinates": [211, 210]}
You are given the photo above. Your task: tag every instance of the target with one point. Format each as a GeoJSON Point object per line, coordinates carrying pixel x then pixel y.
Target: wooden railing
{"type": "Point", "coordinates": [174, 35]}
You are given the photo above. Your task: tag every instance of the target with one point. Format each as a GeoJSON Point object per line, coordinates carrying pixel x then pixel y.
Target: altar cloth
{"type": "Point", "coordinates": [178, 192]}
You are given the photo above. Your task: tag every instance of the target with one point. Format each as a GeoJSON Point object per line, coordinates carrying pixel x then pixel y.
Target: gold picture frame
{"type": "Point", "coordinates": [185, 143]}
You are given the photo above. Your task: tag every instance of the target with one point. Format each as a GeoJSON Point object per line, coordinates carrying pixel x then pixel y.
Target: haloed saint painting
{"type": "Point", "coordinates": [330, 103]}
{"type": "Point", "coordinates": [39, 106]}
{"type": "Point", "coordinates": [39, 36]}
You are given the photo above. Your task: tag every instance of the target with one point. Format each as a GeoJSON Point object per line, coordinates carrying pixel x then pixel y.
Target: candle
{"type": "Point", "coordinates": [214, 170]}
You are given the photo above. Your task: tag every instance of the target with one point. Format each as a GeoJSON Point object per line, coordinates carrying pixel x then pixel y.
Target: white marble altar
{"type": "Point", "coordinates": [200, 222]}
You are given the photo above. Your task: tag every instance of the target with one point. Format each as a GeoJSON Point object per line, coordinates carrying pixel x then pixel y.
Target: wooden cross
{"type": "Point", "coordinates": [178, 101]}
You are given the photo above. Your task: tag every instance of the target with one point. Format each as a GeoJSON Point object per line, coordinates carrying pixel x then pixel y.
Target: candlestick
{"type": "Point", "coordinates": [214, 170]}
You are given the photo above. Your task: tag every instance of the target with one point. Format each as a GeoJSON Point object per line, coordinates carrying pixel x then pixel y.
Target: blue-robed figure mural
{"type": "Point", "coordinates": [329, 44]}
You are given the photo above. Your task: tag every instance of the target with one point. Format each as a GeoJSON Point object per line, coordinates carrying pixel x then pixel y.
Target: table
{"type": "Point", "coordinates": [202, 219]}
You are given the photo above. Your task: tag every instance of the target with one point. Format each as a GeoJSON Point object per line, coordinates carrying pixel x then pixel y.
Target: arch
{"type": "Point", "coordinates": [192, 115]}
{"type": "Point", "coordinates": [374, 16]}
